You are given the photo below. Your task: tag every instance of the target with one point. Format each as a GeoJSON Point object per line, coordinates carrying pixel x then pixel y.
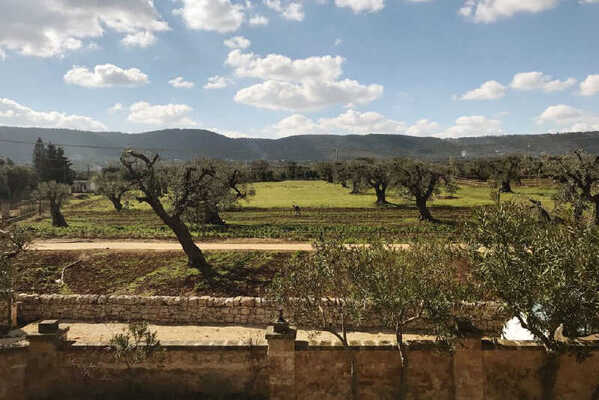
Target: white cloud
{"type": "Point", "coordinates": [353, 122]}
{"type": "Point", "coordinates": [53, 28]}
{"type": "Point", "coordinates": [569, 118]}
{"type": "Point", "coordinates": [15, 114]}
{"type": "Point", "coordinates": [237, 42]}
{"type": "Point", "coordinates": [105, 75]}
{"type": "Point", "coordinates": [487, 11]}
{"type": "Point", "coordinates": [293, 10]}
{"type": "Point", "coordinates": [278, 67]}
{"type": "Point", "coordinates": [423, 127]}
{"type": "Point", "coordinates": [560, 114]}
{"type": "Point", "coordinates": [489, 90]}
{"type": "Point", "coordinates": [139, 39]}
{"type": "Point", "coordinates": [310, 95]}
{"type": "Point", "coordinates": [590, 86]}
{"type": "Point", "coordinates": [217, 82]}
{"type": "Point", "coordinates": [181, 83]}
{"type": "Point", "coordinates": [359, 6]}
{"type": "Point", "coordinates": [539, 81]}
{"type": "Point", "coordinates": [115, 108]}
{"type": "Point", "coordinates": [258, 20]}
{"type": "Point", "coordinates": [475, 125]}
{"type": "Point", "coordinates": [167, 115]}
{"type": "Point", "coordinates": [221, 16]}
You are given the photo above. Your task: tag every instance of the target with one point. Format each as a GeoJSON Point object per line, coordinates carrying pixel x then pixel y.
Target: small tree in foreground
{"type": "Point", "coordinates": [57, 195]}
{"type": "Point", "coordinates": [405, 287]}
{"type": "Point", "coordinates": [338, 287]}
{"type": "Point", "coordinates": [545, 275]}
{"type": "Point", "coordinates": [183, 186]}
{"type": "Point", "coordinates": [318, 291]}
{"type": "Point", "coordinates": [12, 243]}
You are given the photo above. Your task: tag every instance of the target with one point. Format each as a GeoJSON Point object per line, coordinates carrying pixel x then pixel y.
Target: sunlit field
{"type": "Point", "coordinates": [327, 210]}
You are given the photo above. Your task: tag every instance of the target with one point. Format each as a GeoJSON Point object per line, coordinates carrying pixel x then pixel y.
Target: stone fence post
{"type": "Point", "coordinates": [281, 360]}
{"type": "Point", "coordinates": [468, 368]}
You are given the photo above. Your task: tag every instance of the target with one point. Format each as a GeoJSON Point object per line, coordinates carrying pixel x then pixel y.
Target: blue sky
{"type": "Point", "coordinates": [273, 68]}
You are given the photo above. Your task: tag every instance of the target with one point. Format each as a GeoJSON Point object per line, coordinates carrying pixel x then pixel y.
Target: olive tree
{"type": "Point", "coordinates": [377, 175]}
{"type": "Point", "coordinates": [407, 286]}
{"type": "Point", "coordinates": [57, 194]}
{"type": "Point", "coordinates": [545, 275]}
{"type": "Point", "coordinates": [506, 170]}
{"type": "Point", "coordinates": [578, 176]}
{"type": "Point", "coordinates": [182, 186]}
{"type": "Point", "coordinates": [227, 186]}
{"type": "Point", "coordinates": [12, 243]}
{"type": "Point", "coordinates": [421, 181]}
{"type": "Point", "coordinates": [112, 184]}
{"type": "Point", "coordinates": [318, 291]}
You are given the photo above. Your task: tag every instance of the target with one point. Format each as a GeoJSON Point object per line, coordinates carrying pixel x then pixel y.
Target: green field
{"type": "Point", "coordinates": [327, 210]}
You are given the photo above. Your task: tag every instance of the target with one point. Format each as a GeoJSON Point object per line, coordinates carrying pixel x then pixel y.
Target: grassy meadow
{"type": "Point", "coordinates": [327, 210]}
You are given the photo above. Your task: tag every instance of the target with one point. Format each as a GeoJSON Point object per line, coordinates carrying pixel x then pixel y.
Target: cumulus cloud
{"type": "Point", "coordinates": [15, 114]}
{"type": "Point", "coordinates": [221, 16]}
{"type": "Point", "coordinates": [167, 115]}
{"type": "Point", "coordinates": [237, 42]}
{"type": "Point", "coordinates": [489, 90]}
{"type": "Point", "coordinates": [487, 11]}
{"type": "Point", "coordinates": [53, 28]}
{"type": "Point", "coordinates": [539, 81]}
{"type": "Point", "coordinates": [475, 125]}
{"type": "Point", "coordinates": [359, 6]}
{"type": "Point", "coordinates": [139, 39]}
{"type": "Point", "coordinates": [590, 86]}
{"type": "Point", "coordinates": [217, 82]}
{"type": "Point", "coordinates": [181, 83]}
{"type": "Point", "coordinates": [310, 95]}
{"type": "Point", "coordinates": [352, 122]}
{"type": "Point", "coordinates": [291, 10]}
{"type": "Point", "coordinates": [115, 108]}
{"type": "Point", "coordinates": [258, 20]}
{"type": "Point", "coordinates": [106, 75]}
{"type": "Point", "coordinates": [569, 118]}
{"type": "Point", "coordinates": [278, 67]}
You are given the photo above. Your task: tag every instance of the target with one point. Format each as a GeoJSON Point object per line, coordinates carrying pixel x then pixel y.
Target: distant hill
{"type": "Point", "coordinates": [99, 147]}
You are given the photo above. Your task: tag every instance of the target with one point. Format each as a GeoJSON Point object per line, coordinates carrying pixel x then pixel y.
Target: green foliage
{"type": "Point", "coordinates": [13, 242]}
{"type": "Point", "coordinates": [51, 164]}
{"type": "Point", "coordinates": [135, 345]}
{"type": "Point", "coordinates": [578, 176]}
{"type": "Point", "coordinates": [112, 184]}
{"type": "Point", "coordinates": [545, 274]}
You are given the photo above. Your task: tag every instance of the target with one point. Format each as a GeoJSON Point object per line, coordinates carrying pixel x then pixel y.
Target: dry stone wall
{"type": "Point", "coordinates": [185, 310]}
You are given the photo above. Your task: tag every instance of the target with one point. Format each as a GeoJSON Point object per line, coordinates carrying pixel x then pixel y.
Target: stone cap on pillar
{"type": "Point", "coordinates": [281, 329]}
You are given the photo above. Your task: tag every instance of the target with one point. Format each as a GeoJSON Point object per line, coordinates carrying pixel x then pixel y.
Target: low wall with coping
{"type": "Point", "coordinates": [48, 366]}
{"type": "Point", "coordinates": [185, 310]}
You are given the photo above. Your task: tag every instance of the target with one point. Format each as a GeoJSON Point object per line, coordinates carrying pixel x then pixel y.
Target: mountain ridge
{"type": "Point", "coordinates": [184, 144]}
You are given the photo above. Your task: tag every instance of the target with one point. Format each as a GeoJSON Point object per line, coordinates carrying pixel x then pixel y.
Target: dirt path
{"type": "Point", "coordinates": [157, 245]}
{"type": "Point", "coordinates": [65, 245]}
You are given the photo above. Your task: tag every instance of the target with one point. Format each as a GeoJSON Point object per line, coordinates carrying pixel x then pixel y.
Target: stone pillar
{"type": "Point", "coordinates": [468, 368]}
{"type": "Point", "coordinates": [281, 360]}
{"type": "Point", "coordinates": [44, 358]}
{"type": "Point", "coordinates": [14, 316]}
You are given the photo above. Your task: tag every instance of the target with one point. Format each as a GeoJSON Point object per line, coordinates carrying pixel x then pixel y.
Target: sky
{"type": "Point", "coordinates": [275, 68]}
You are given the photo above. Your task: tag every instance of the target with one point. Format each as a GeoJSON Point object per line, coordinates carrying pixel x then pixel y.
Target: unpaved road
{"type": "Point", "coordinates": [65, 245]}
{"type": "Point", "coordinates": [154, 245]}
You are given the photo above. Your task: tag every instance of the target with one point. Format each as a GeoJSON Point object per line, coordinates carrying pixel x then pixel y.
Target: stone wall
{"type": "Point", "coordinates": [51, 367]}
{"type": "Point", "coordinates": [182, 310]}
